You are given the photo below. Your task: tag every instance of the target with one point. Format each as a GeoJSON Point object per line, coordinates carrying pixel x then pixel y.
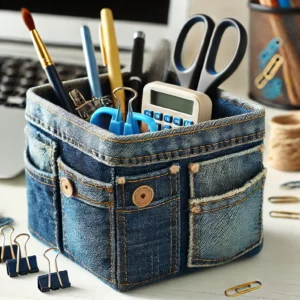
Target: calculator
{"type": "Point", "coordinates": [173, 106]}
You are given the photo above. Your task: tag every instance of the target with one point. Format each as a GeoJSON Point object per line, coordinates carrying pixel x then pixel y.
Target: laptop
{"type": "Point", "coordinates": [58, 23]}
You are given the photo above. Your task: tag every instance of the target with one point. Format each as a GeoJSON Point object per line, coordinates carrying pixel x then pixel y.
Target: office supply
{"type": "Point", "coordinates": [136, 70]}
{"type": "Point", "coordinates": [284, 200]}
{"type": "Point", "coordinates": [21, 265]}
{"type": "Point", "coordinates": [291, 185]}
{"type": "Point", "coordinates": [117, 125]}
{"type": "Point", "coordinates": [10, 251]}
{"type": "Point", "coordinates": [173, 106]}
{"type": "Point", "coordinates": [284, 154]}
{"type": "Point", "coordinates": [5, 221]}
{"type": "Point", "coordinates": [285, 215]}
{"type": "Point", "coordinates": [284, 3]}
{"type": "Point", "coordinates": [201, 75]}
{"type": "Point", "coordinates": [91, 64]}
{"type": "Point", "coordinates": [47, 63]}
{"type": "Point", "coordinates": [85, 108]}
{"type": "Point", "coordinates": [110, 56]}
{"type": "Point", "coordinates": [53, 281]}
{"type": "Point", "coordinates": [160, 62]}
{"type": "Point", "coordinates": [243, 289]}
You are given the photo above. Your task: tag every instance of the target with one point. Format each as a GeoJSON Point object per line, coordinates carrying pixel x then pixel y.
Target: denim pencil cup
{"type": "Point", "coordinates": [138, 209]}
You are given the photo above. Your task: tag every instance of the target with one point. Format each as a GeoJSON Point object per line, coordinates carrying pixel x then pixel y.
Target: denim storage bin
{"type": "Point", "coordinates": [138, 209]}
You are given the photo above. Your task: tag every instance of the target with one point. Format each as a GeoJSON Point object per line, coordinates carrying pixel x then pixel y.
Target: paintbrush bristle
{"type": "Point", "coordinates": [28, 20]}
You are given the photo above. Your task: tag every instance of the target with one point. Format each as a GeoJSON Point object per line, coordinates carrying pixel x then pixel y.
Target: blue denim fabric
{"type": "Point", "coordinates": [207, 183]}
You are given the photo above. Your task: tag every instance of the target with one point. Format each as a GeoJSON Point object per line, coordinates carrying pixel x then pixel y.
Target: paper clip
{"type": "Point", "coordinates": [291, 185]}
{"type": "Point", "coordinates": [269, 72]}
{"type": "Point", "coordinates": [21, 265]}
{"type": "Point", "coordinates": [285, 215]}
{"type": "Point", "coordinates": [10, 251]}
{"type": "Point", "coordinates": [53, 281]}
{"type": "Point", "coordinates": [284, 200]}
{"type": "Point", "coordinates": [117, 125]}
{"type": "Point", "coordinates": [243, 288]}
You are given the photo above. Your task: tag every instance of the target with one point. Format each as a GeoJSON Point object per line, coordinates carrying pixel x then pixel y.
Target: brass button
{"type": "Point", "coordinates": [66, 187]}
{"type": "Point", "coordinates": [196, 210]}
{"type": "Point", "coordinates": [143, 196]}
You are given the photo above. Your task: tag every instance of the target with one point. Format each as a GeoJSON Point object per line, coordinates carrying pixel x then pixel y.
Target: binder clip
{"type": "Point", "coordinates": [53, 281]}
{"type": "Point", "coordinates": [21, 265]}
{"type": "Point", "coordinates": [10, 251]}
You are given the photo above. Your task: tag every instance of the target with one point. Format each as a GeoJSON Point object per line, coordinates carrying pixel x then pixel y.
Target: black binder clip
{"type": "Point", "coordinates": [10, 251]}
{"type": "Point", "coordinates": [53, 281]}
{"type": "Point", "coordinates": [22, 265]}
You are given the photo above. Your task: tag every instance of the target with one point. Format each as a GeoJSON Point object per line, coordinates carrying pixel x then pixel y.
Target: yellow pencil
{"type": "Point", "coordinates": [110, 56]}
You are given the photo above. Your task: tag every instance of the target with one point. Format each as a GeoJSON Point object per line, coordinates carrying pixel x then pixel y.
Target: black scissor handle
{"type": "Point", "coordinates": [209, 78]}
{"type": "Point", "coordinates": [189, 77]}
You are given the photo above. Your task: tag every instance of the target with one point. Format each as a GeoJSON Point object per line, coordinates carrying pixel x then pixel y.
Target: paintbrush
{"type": "Point", "coordinates": [47, 63]}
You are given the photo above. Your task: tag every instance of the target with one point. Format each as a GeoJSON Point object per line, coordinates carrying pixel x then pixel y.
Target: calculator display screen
{"type": "Point", "coordinates": [172, 102]}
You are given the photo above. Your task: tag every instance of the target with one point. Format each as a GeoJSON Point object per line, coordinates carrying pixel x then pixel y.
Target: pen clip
{"type": "Point", "coordinates": [102, 47]}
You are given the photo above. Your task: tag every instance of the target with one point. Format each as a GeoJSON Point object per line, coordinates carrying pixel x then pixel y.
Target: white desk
{"type": "Point", "coordinates": [277, 266]}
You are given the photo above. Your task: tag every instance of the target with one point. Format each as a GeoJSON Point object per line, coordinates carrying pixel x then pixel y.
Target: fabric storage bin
{"type": "Point", "coordinates": [138, 209]}
{"type": "Point", "coordinates": [275, 56]}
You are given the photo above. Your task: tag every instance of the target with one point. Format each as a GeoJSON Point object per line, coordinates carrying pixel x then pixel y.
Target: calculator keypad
{"type": "Point", "coordinates": [166, 122]}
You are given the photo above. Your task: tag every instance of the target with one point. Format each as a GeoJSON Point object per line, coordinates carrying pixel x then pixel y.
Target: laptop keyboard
{"type": "Point", "coordinates": [17, 75]}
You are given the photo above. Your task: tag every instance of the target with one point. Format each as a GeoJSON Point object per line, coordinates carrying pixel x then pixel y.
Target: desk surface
{"type": "Point", "coordinates": [277, 266]}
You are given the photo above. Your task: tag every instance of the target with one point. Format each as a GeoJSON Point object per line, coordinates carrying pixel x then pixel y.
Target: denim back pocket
{"type": "Point", "coordinates": [221, 175]}
{"type": "Point", "coordinates": [148, 231]}
{"type": "Point", "coordinates": [87, 222]}
{"type": "Point", "coordinates": [42, 189]}
{"type": "Point", "coordinates": [224, 227]}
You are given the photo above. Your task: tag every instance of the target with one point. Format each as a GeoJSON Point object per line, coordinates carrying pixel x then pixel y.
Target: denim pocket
{"type": "Point", "coordinates": [87, 222]}
{"type": "Point", "coordinates": [223, 228]}
{"type": "Point", "coordinates": [148, 236]}
{"type": "Point", "coordinates": [223, 174]}
{"type": "Point", "coordinates": [42, 192]}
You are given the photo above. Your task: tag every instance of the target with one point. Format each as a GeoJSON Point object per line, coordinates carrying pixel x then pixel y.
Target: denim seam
{"type": "Point", "coordinates": [148, 178]}
{"type": "Point", "coordinates": [176, 226]}
{"type": "Point", "coordinates": [145, 139]}
{"type": "Point", "coordinates": [146, 208]}
{"type": "Point", "coordinates": [124, 246]}
{"type": "Point", "coordinates": [235, 203]}
{"type": "Point", "coordinates": [171, 189]}
{"type": "Point", "coordinates": [77, 259]}
{"type": "Point", "coordinates": [108, 189]}
{"type": "Point", "coordinates": [48, 184]}
{"type": "Point", "coordinates": [125, 249]}
{"type": "Point", "coordinates": [40, 237]}
{"type": "Point", "coordinates": [98, 204]}
{"type": "Point", "coordinates": [171, 237]}
{"type": "Point", "coordinates": [119, 160]}
{"type": "Point", "coordinates": [39, 175]}
{"type": "Point", "coordinates": [123, 196]}
{"type": "Point", "coordinates": [111, 244]}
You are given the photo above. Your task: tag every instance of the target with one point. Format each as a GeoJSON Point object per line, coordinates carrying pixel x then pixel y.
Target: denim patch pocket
{"type": "Point", "coordinates": [223, 228]}
{"type": "Point", "coordinates": [223, 174]}
{"type": "Point", "coordinates": [87, 221]}
{"type": "Point", "coordinates": [148, 232]}
{"type": "Point", "coordinates": [42, 191]}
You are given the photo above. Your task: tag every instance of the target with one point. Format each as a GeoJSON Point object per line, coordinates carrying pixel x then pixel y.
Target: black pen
{"type": "Point", "coordinates": [136, 71]}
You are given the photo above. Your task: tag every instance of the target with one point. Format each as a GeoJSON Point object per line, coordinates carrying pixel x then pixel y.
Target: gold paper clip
{"type": "Point", "coordinates": [285, 215]}
{"type": "Point", "coordinates": [7, 252]}
{"type": "Point", "coordinates": [243, 288]}
{"type": "Point", "coordinates": [284, 200]}
{"type": "Point", "coordinates": [269, 72]}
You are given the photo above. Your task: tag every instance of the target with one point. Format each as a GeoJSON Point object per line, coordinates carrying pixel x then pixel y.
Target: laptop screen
{"type": "Point", "coordinates": [134, 10]}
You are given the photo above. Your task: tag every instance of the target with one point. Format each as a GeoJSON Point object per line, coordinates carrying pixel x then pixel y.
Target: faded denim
{"type": "Point", "coordinates": [207, 180]}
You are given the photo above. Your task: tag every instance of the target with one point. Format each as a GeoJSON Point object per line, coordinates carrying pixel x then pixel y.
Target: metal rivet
{"type": "Point", "coordinates": [194, 168]}
{"type": "Point", "coordinates": [143, 196]}
{"type": "Point", "coordinates": [121, 180]}
{"type": "Point", "coordinates": [66, 187]}
{"type": "Point", "coordinates": [196, 210]}
{"type": "Point", "coordinates": [174, 169]}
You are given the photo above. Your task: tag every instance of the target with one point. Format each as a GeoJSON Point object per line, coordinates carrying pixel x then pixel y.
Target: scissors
{"type": "Point", "coordinates": [117, 125]}
{"type": "Point", "coordinates": [201, 75]}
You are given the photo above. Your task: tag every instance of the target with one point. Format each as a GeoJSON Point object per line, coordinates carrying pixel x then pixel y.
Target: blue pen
{"type": "Point", "coordinates": [91, 64]}
{"type": "Point", "coordinates": [284, 3]}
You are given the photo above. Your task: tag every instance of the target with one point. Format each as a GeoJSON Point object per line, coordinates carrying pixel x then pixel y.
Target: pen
{"type": "Point", "coordinates": [136, 70]}
{"type": "Point", "coordinates": [91, 64]}
{"type": "Point", "coordinates": [47, 63]}
{"type": "Point", "coordinates": [110, 56]}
